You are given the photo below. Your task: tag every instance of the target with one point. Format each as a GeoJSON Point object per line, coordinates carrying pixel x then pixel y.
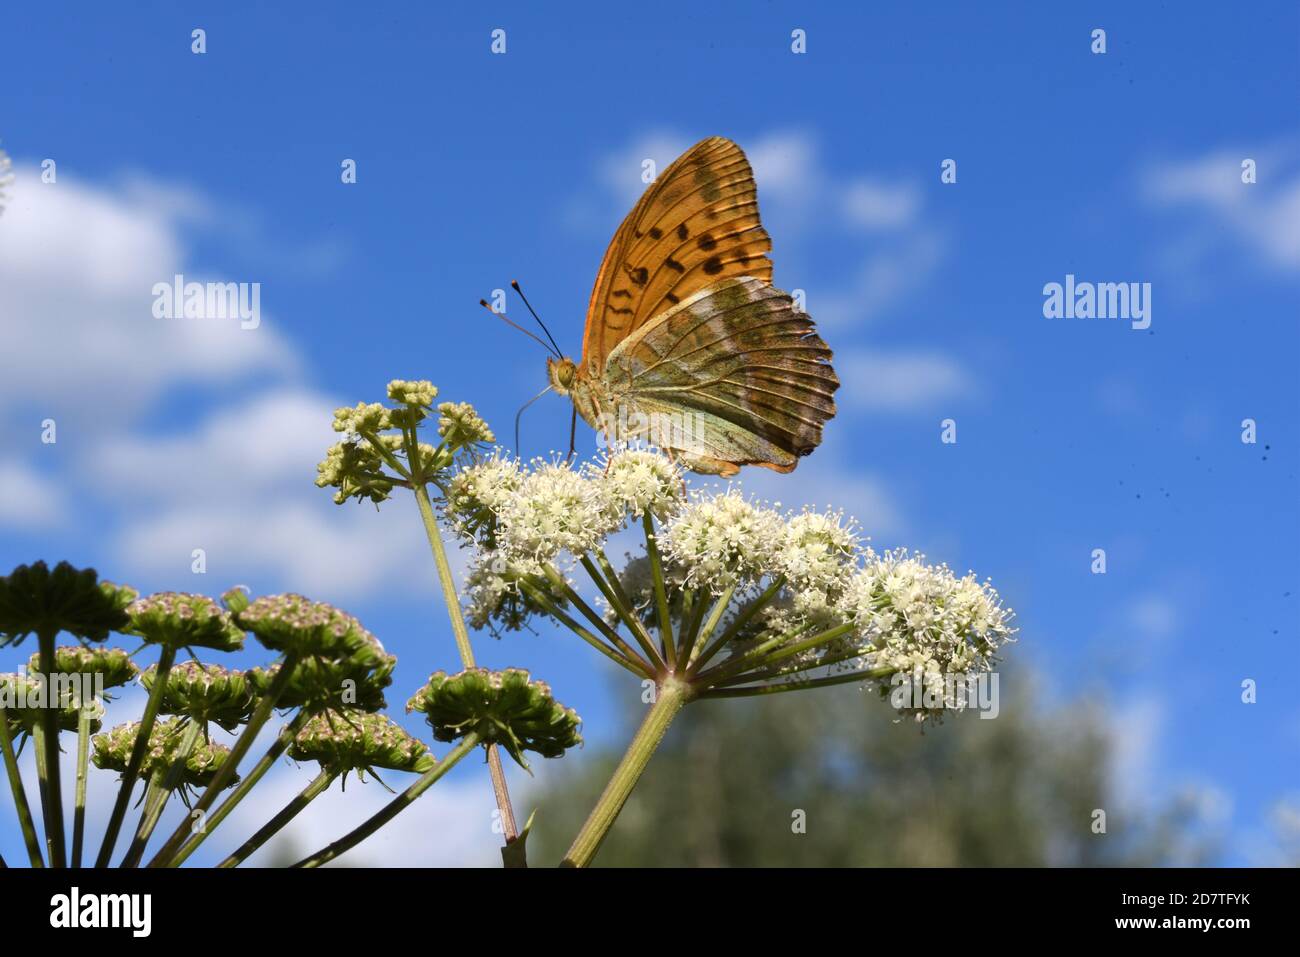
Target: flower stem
{"type": "Point", "coordinates": [711, 623]}
{"type": "Point", "coordinates": [601, 625]}
{"type": "Point", "coordinates": [845, 678]}
{"type": "Point", "coordinates": [167, 782]}
{"type": "Point", "coordinates": [661, 591]}
{"type": "Point", "coordinates": [165, 659]}
{"type": "Point", "coordinates": [612, 589]}
{"type": "Point", "coordinates": [670, 696]}
{"type": "Point", "coordinates": [258, 771]}
{"type": "Point", "coordinates": [83, 760]}
{"type": "Point", "coordinates": [237, 752]}
{"type": "Point", "coordinates": [287, 814]}
{"type": "Point", "coordinates": [500, 790]}
{"type": "Point", "coordinates": [20, 794]}
{"type": "Point", "coordinates": [737, 624]}
{"type": "Point", "coordinates": [537, 595]}
{"type": "Point", "coordinates": [51, 791]}
{"type": "Point", "coordinates": [394, 807]}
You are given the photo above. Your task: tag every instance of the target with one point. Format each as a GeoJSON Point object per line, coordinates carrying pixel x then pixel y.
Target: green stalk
{"type": "Point", "coordinates": [83, 760]}
{"type": "Point", "coordinates": [661, 591]}
{"type": "Point", "coordinates": [51, 793]}
{"type": "Point", "coordinates": [149, 819]}
{"type": "Point", "coordinates": [537, 595]}
{"type": "Point", "coordinates": [607, 581]}
{"type": "Point", "coordinates": [739, 622]}
{"type": "Point", "coordinates": [765, 653]}
{"type": "Point", "coordinates": [21, 806]}
{"type": "Point", "coordinates": [154, 794]}
{"type": "Point", "coordinates": [447, 582]}
{"type": "Point", "coordinates": [258, 771]}
{"type": "Point", "coordinates": [394, 807]}
{"type": "Point", "coordinates": [287, 814]}
{"type": "Point", "coordinates": [711, 623]}
{"type": "Point", "coordinates": [166, 657]}
{"type": "Point", "coordinates": [237, 752]}
{"type": "Point", "coordinates": [670, 697]}
{"type": "Point", "coordinates": [845, 678]}
{"type": "Point", "coordinates": [603, 626]}
{"type": "Point", "coordinates": [690, 625]}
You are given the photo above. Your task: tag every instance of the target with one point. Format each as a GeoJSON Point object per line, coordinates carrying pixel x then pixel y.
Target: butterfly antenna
{"type": "Point", "coordinates": [520, 414]}
{"type": "Point", "coordinates": [506, 319]}
{"type": "Point", "coordinates": [514, 284]}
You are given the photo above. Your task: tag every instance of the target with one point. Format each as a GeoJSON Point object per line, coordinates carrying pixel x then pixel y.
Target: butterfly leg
{"type": "Point", "coordinates": [573, 435]}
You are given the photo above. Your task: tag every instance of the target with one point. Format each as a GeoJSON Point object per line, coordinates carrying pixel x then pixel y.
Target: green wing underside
{"type": "Point", "coordinates": [730, 376]}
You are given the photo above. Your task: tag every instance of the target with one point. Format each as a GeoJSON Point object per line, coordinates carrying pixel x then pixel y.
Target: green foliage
{"type": "Point", "coordinates": [725, 787]}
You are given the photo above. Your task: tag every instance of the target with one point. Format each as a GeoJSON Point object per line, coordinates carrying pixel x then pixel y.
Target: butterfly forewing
{"type": "Point", "coordinates": [736, 374]}
{"type": "Point", "coordinates": [698, 223]}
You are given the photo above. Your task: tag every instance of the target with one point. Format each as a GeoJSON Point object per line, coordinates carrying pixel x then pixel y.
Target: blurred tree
{"type": "Point", "coordinates": [734, 779]}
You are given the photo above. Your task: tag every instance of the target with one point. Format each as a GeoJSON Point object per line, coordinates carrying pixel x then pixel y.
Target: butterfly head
{"type": "Point", "coordinates": [563, 374]}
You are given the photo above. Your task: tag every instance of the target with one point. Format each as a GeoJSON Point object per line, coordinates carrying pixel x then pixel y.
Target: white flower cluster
{"type": "Point", "coordinates": [924, 621]}
{"type": "Point", "coordinates": [889, 612]}
{"type": "Point", "coordinates": [723, 541]}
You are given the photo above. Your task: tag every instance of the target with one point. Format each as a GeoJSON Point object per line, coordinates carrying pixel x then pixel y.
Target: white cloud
{"type": "Point", "coordinates": [1263, 217]}
{"type": "Point", "coordinates": [77, 269]}
{"type": "Point", "coordinates": [899, 381]}
{"type": "Point", "coordinates": [29, 499]}
{"type": "Point", "coordinates": [1152, 617]}
{"type": "Point", "coordinates": [239, 486]}
{"type": "Point", "coordinates": [872, 204]}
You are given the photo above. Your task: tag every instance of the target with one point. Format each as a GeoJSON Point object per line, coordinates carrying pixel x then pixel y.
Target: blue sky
{"type": "Point", "coordinates": [475, 168]}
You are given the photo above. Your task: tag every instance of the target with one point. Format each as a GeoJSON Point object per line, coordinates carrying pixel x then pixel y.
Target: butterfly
{"type": "Point", "coordinates": [688, 346]}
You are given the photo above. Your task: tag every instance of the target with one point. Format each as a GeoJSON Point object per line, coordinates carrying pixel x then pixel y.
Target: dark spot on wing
{"type": "Point", "coordinates": [672, 263]}
{"type": "Point", "coordinates": [674, 299]}
{"type": "Point", "coordinates": [656, 232]}
{"type": "Point", "coordinates": [621, 293]}
{"type": "Point", "coordinates": [713, 265]}
{"type": "Point", "coordinates": [706, 242]}
{"type": "Point", "coordinates": [683, 232]}
{"type": "Point", "coordinates": [640, 275]}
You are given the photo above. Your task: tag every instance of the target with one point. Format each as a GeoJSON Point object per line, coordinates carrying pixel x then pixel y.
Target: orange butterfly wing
{"type": "Point", "coordinates": [698, 223]}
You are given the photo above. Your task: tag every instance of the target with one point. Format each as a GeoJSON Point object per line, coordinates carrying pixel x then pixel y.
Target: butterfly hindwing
{"type": "Point", "coordinates": [734, 373]}
{"type": "Point", "coordinates": [698, 223]}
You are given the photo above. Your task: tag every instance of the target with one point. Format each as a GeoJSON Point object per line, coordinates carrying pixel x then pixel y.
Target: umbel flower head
{"type": "Point", "coordinates": [476, 494]}
{"type": "Point", "coordinates": [25, 697]}
{"type": "Point", "coordinates": [204, 693]}
{"type": "Point", "coordinates": [504, 707]}
{"type": "Point", "coordinates": [348, 740]}
{"type": "Point", "coordinates": [555, 509]}
{"type": "Point", "coordinates": [355, 682]}
{"type": "Point", "coordinates": [721, 541]}
{"type": "Point", "coordinates": [112, 667]}
{"type": "Point", "coordinates": [111, 751]}
{"type": "Point", "coordinates": [36, 600]}
{"type": "Point", "coordinates": [181, 620]}
{"type": "Point", "coordinates": [293, 624]}
{"type": "Point", "coordinates": [638, 482]}
{"type": "Point", "coordinates": [495, 600]}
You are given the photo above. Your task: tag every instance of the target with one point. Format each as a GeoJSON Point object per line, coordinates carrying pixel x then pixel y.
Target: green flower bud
{"type": "Point", "coordinates": [419, 393]}
{"type": "Point", "coordinates": [503, 707]}
{"type": "Point", "coordinates": [112, 751]}
{"type": "Point", "coordinates": [460, 425]}
{"type": "Point", "coordinates": [183, 620]}
{"type": "Point", "coordinates": [204, 693]}
{"type": "Point", "coordinates": [24, 699]}
{"type": "Point", "coordinates": [363, 417]}
{"type": "Point", "coordinates": [356, 682]}
{"type": "Point", "coordinates": [34, 599]}
{"type": "Point", "coordinates": [343, 741]}
{"type": "Point", "coordinates": [292, 623]}
{"type": "Point", "coordinates": [356, 470]}
{"type": "Point", "coordinates": [112, 667]}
